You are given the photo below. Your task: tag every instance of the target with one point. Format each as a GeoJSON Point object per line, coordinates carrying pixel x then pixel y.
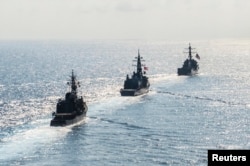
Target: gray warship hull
{"type": "Point", "coordinates": [186, 72]}
{"type": "Point", "coordinates": [67, 119]}
{"type": "Point", "coordinates": [133, 92]}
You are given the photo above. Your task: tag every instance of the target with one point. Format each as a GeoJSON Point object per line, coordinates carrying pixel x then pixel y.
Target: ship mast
{"type": "Point", "coordinates": [139, 69]}
{"type": "Point", "coordinates": [190, 52]}
{"type": "Point", "coordinates": [73, 83]}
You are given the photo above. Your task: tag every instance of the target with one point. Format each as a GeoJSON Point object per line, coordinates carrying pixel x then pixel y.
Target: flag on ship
{"type": "Point", "coordinates": [197, 56]}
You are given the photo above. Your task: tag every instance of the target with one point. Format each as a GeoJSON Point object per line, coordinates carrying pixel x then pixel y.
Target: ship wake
{"type": "Point", "coordinates": [202, 98]}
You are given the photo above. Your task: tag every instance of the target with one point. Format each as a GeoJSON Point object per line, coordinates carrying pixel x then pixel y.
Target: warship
{"type": "Point", "coordinates": [190, 65]}
{"type": "Point", "coordinates": [138, 84]}
{"type": "Point", "coordinates": [72, 109]}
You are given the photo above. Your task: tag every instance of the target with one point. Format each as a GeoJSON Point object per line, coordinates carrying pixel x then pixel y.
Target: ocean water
{"type": "Point", "coordinates": [174, 124]}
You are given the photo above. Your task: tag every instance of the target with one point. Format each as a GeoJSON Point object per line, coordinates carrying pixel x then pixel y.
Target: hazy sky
{"type": "Point", "coordinates": [124, 19]}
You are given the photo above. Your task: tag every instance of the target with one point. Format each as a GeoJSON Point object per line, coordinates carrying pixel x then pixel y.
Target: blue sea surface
{"type": "Point", "coordinates": [174, 124]}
